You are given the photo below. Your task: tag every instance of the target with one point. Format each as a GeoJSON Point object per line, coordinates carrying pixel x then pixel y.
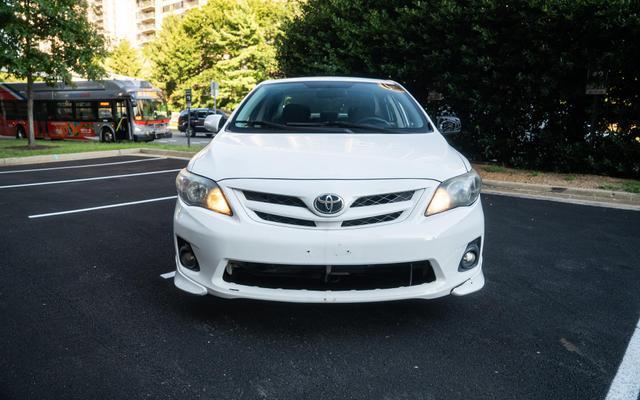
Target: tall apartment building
{"type": "Point", "coordinates": [114, 18]}
{"type": "Point", "coordinates": [135, 20]}
{"type": "Point", "coordinates": [150, 13]}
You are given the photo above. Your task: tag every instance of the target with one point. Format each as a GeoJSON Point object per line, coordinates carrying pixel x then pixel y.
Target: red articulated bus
{"type": "Point", "coordinates": [93, 110]}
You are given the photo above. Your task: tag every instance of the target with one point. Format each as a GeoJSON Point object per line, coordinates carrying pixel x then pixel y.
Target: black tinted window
{"type": "Point", "coordinates": [328, 106]}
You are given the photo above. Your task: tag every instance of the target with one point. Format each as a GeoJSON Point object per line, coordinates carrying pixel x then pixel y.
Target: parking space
{"type": "Point", "coordinates": [86, 313]}
{"type": "Point", "coordinates": [179, 139]}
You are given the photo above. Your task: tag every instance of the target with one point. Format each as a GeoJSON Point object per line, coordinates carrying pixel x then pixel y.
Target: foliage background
{"type": "Point", "coordinates": [515, 72]}
{"type": "Point", "coordinates": [228, 41]}
{"type": "Point", "coordinates": [124, 59]}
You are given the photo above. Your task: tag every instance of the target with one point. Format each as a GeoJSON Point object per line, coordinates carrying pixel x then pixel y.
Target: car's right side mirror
{"type": "Point", "coordinates": [213, 122]}
{"type": "Point", "coordinates": [448, 125]}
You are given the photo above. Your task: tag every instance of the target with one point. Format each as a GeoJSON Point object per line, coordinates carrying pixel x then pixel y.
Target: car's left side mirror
{"type": "Point", "coordinates": [214, 122]}
{"type": "Point", "coordinates": [448, 125]}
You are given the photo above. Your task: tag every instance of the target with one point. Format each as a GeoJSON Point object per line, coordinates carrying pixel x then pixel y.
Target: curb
{"type": "Point", "coordinates": [581, 196]}
{"type": "Point", "coordinates": [6, 162]}
{"type": "Point", "coordinates": [168, 153]}
{"type": "Point", "coordinates": [65, 157]}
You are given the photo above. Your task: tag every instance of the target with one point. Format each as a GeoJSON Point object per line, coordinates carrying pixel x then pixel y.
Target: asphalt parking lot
{"type": "Point", "coordinates": [179, 139]}
{"type": "Point", "coordinates": [87, 315]}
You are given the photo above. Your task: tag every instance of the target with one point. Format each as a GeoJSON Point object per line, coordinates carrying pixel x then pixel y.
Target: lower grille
{"type": "Point", "coordinates": [372, 220]}
{"type": "Point", "coordinates": [284, 220]}
{"type": "Point", "coordinates": [336, 277]}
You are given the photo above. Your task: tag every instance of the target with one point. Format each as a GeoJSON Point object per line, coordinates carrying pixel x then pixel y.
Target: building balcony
{"type": "Point", "coordinates": [145, 38]}
{"type": "Point", "coordinates": [146, 17]}
{"type": "Point", "coordinates": [145, 5]}
{"type": "Point", "coordinates": [146, 28]}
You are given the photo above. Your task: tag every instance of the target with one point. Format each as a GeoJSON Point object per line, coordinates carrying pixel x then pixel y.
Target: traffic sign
{"type": "Point", "coordinates": [187, 95]}
{"type": "Point", "coordinates": [596, 83]}
{"type": "Point", "coordinates": [215, 89]}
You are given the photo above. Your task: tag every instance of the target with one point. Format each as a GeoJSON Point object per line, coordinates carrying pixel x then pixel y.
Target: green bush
{"type": "Point", "coordinates": [514, 72]}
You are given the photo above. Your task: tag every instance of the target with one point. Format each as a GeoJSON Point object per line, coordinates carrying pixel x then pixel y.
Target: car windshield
{"type": "Point", "coordinates": [330, 107]}
{"type": "Point", "coordinates": [151, 109]}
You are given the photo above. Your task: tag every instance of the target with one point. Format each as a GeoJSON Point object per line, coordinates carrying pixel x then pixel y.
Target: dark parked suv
{"type": "Point", "coordinates": [197, 120]}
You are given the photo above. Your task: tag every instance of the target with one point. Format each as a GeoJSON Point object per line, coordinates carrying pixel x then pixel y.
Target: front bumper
{"type": "Point", "coordinates": [163, 135]}
{"type": "Point", "coordinates": [149, 135]}
{"type": "Point", "coordinates": [143, 137]}
{"type": "Point", "coordinates": [441, 239]}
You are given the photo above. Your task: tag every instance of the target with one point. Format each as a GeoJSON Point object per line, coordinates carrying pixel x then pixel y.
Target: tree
{"type": "Point", "coordinates": [227, 41]}
{"type": "Point", "coordinates": [48, 39]}
{"type": "Point", "coordinates": [124, 59]}
{"type": "Point", "coordinates": [515, 72]}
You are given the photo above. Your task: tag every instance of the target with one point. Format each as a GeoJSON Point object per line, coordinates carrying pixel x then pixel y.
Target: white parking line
{"type": "Point", "coordinates": [168, 275]}
{"type": "Point", "coordinates": [80, 210]}
{"type": "Point", "coordinates": [88, 179]}
{"type": "Point", "coordinates": [81, 166]}
{"type": "Point", "coordinates": [626, 384]}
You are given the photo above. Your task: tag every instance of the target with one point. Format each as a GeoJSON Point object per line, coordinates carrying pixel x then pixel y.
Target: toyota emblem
{"type": "Point", "coordinates": [328, 203]}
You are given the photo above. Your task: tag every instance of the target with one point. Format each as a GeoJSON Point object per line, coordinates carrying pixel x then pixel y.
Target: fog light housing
{"type": "Point", "coordinates": [471, 256]}
{"type": "Point", "coordinates": [186, 255]}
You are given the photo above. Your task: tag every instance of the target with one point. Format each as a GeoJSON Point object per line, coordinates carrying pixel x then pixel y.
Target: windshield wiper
{"type": "Point", "coordinates": [258, 122]}
{"type": "Point", "coordinates": [340, 124]}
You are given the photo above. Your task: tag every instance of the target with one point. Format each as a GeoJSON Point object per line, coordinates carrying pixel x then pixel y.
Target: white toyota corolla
{"type": "Point", "coordinates": [329, 190]}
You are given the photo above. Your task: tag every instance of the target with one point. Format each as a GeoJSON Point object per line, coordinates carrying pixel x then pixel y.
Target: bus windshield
{"type": "Point", "coordinates": [151, 109]}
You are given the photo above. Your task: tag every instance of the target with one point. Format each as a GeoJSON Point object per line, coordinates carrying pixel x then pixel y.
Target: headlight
{"type": "Point", "coordinates": [137, 129]}
{"type": "Point", "coordinates": [459, 191]}
{"type": "Point", "coordinates": [196, 190]}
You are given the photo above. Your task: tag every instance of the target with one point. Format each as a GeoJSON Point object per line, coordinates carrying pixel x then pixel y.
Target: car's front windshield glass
{"type": "Point", "coordinates": [330, 107]}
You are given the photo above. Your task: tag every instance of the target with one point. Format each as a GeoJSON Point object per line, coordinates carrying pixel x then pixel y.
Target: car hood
{"type": "Point", "coordinates": [328, 156]}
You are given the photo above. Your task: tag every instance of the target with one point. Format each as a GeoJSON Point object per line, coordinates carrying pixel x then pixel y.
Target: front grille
{"type": "Point", "coordinates": [273, 198]}
{"type": "Point", "coordinates": [383, 199]}
{"type": "Point", "coordinates": [323, 277]}
{"type": "Point", "coordinates": [372, 220]}
{"type": "Point", "coordinates": [284, 220]}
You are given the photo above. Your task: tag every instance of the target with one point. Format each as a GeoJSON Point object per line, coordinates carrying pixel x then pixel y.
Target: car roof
{"type": "Point", "coordinates": [328, 79]}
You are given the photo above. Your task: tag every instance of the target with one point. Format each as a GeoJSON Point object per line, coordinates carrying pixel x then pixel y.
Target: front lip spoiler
{"type": "Point", "coordinates": [186, 284]}
{"type": "Point", "coordinates": [469, 286]}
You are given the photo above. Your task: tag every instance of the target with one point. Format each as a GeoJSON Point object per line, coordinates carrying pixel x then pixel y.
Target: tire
{"type": "Point", "coordinates": [191, 131]}
{"type": "Point", "coordinates": [20, 133]}
{"type": "Point", "coordinates": [107, 136]}
{"type": "Point", "coordinates": [209, 135]}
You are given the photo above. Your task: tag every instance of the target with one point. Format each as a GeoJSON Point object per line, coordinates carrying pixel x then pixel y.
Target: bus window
{"type": "Point", "coordinates": [64, 110]}
{"type": "Point", "coordinates": [40, 110]}
{"type": "Point", "coordinates": [84, 111]}
{"type": "Point", "coordinates": [51, 110]}
{"type": "Point", "coordinates": [21, 110]}
{"type": "Point", "coordinates": [104, 110]}
{"type": "Point", "coordinates": [9, 110]}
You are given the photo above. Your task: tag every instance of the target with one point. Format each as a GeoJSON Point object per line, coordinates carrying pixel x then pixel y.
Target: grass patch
{"type": "Point", "coordinates": [533, 174]}
{"type": "Point", "coordinates": [609, 186]}
{"type": "Point", "coordinates": [18, 147]}
{"type": "Point", "coordinates": [570, 178]}
{"type": "Point", "coordinates": [494, 168]}
{"type": "Point", "coordinates": [630, 187]}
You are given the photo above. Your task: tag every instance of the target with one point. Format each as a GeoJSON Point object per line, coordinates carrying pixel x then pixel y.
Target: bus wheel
{"type": "Point", "coordinates": [107, 135]}
{"type": "Point", "coordinates": [20, 133]}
